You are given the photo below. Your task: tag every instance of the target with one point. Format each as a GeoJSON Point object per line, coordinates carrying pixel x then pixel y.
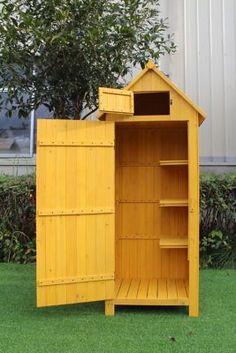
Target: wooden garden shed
{"type": "Point", "coordinates": [118, 200]}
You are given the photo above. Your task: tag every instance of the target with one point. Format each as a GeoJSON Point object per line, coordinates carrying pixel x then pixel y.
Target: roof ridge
{"type": "Point", "coordinates": [151, 66]}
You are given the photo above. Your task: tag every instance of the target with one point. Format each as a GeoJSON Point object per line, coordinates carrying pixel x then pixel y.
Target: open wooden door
{"type": "Point", "coordinates": [75, 211]}
{"type": "Point", "coordinates": [118, 101]}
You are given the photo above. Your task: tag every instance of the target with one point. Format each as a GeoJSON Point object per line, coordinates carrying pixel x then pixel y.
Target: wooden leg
{"type": "Point", "coordinates": [193, 310]}
{"type": "Point", "coordinates": [109, 308]}
{"type": "Point", "coordinates": [194, 287]}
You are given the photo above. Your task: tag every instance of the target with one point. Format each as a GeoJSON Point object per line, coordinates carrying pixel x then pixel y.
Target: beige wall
{"type": "Point", "coordinates": [205, 67]}
{"type": "Point", "coordinates": [17, 166]}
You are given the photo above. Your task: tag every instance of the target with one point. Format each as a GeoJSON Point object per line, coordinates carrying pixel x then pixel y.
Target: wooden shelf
{"type": "Point", "coordinates": [173, 243]}
{"type": "Point", "coordinates": [151, 292]}
{"type": "Point", "coordinates": [137, 201]}
{"type": "Point", "coordinates": [173, 203]}
{"type": "Point", "coordinates": [138, 236]}
{"type": "Point", "coordinates": [173, 162]}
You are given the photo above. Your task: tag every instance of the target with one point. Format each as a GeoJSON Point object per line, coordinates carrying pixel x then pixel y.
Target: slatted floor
{"type": "Point", "coordinates": [151, 292]}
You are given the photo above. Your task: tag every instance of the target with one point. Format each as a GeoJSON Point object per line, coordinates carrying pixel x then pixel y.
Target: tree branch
{"type": "Point", "coordinates": [91, 111]}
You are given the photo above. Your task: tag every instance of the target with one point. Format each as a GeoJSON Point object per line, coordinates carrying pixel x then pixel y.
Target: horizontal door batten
{"type": "Point", "coordinates": [77, 143]}
{"type": "Point", "coordinates": [74, 212]}
{"type": "Point", "coordinates": [71, 280]}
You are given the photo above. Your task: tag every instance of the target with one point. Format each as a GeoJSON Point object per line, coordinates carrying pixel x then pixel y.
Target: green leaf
{"type": "Point", "coordinates": [65, 50]}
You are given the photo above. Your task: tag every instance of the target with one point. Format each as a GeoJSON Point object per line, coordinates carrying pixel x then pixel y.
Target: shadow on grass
{"type": "Point", "coordinates": [97, 309]}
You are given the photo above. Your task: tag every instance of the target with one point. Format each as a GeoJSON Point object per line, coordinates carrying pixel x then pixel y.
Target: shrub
{"type": "Point", "coordinates": [217, 230]}
{"type": "Point", "coordinates": [17, 219]}
{"type": "Point", "coordinates": [218, 220]}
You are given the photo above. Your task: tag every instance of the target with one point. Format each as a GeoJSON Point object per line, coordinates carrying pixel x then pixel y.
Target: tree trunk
{"type": "Point", "coordinates": [78, 108]}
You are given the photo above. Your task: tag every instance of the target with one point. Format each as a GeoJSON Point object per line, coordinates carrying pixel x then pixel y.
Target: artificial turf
{"type": "Point", "coordinates": [84, 328]}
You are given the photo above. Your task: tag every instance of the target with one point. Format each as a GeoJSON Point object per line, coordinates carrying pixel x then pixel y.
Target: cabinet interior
{"type": "Point", "coordinates": [151, 259]}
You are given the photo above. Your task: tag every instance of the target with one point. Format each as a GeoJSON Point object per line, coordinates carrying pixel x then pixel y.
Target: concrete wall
{"type": "Point", "coordinates": [17, 166]}
{"type": "Point", "coordinates": [204, 66]}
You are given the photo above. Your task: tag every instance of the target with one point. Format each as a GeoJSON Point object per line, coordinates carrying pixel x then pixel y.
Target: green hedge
{"type": "Point", "coordinates": [17, 219]}
{"type": "Point", "coordinates": [218, 220]}
{"type": "Point", "coordinates": [217, 231]}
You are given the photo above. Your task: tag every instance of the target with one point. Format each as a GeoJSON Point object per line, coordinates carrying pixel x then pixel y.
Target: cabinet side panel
{"type": "Point", "coordinates": [193, 225]}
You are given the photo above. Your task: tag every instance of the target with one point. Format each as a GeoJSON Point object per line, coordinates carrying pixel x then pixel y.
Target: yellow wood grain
{"type": "Point", "coordinates": [143, 289]}
{"type": "Point", "coordinates": [157, 199]}
{"type": "Point", "coordinates": [124, 288]}
{"type": "Point", "coordinates": [151, 292]}
{"type": "Point", "coordinates": [60, 224]}
{"type": "Point", "coordinates": [193, 220]}
{"type": "Point", "coordinates": [173, 162]}
{"type": "Point", "coordinates": [109, 308]}
{"type": "Point", "coordinates": [162, 289]}
{"type": "Point", "coordinates": [140, 183]}
{"type": "Point", "coordinates": [75, 245]}
{"type": "Point", "coordinates": [153, 289]}
{"type": "Point", "coordinates": [181, 290]}
{"type": "Point", "coordinates": [117, 286]}
{"type": "Point", "coordinates": [152, 302]}
{"type": "Point", "coordinates": [134, 288]}
{"type": "Point", "coordinates": [174, 243]}
{"type": "Point", "coordinates": [129, 209]}
{"type": "Point", "coordinates": [50, 235]}
{"type": "Point", "coordinates": [116, 100]}
{"type": "Point", "coordinates": [171, 289]}
{"type": "Point", "coordinates": [152, 79]}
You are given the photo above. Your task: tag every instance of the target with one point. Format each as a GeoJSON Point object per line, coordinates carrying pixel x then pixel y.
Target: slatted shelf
{"type": "Point", "coordinates": [173, 243]}
{"type": "Point", "coordinates": [173, 162]}
{"type": "Point", "coordinates": [173, 203]}
{"type": "Point", "coordinates": [151, 292]}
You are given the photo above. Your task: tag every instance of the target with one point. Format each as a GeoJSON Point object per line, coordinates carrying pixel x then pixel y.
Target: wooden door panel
{"type": "Point", "coordinates": [75, 212]}
{"type": "Point", "coordinates": [118, 101]}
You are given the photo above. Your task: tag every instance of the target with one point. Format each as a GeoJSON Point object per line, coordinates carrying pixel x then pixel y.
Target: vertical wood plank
{"type": "Point", "coordinates": [193, 225]}
{"type": "Point", "coordinates": [71, 165]}
{"type": "Point", "coordinates": [60, 222]}
{"type": "Point", "coordinates": [133, 289]}
{"type": "Point", "coordinates": [40, 227]}
{"type": "Point", "coordinates": [171, 289]}
{"type": "Point", "coordinates": [71, 246]}
{"type": "Point", "coordinates": [124, 288]}
{"type": "Point", "coordinates": [117, 286]}
{"type": "Point", "coordinates": [152, 289]}
{"type": "Point", "coordinates": [181, 290]}
{"type": "Point", "coordinates": [162, 289]}
{"type": "Point", "coordinates": [143, 289]}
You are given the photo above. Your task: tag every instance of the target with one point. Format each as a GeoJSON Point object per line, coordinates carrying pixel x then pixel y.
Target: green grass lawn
{"type": "Point", "coordinates": [84, 328]}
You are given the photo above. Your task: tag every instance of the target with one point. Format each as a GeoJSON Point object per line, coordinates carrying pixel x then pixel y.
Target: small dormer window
{"type": "Point", "coordinates": [151, 103]}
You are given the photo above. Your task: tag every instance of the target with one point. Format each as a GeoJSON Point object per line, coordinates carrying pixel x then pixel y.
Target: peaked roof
{"type": "Point", "coordinates": [151, 66]}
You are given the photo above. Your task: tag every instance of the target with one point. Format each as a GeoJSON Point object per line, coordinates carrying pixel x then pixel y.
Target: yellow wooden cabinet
{"type": "Point", "coordinates": [118, 200]}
